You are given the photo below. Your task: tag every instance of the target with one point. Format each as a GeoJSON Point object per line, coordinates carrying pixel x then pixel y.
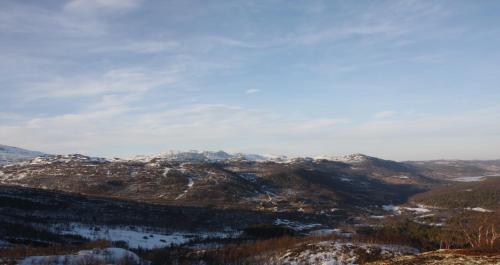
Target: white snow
{"type": "Point", "coordinates": [137, 237]}
{"type": "Point", "coordinates": [338, 253]}
{"type": "Point", "coordinates": [469, 179]}
{"type": "Point", "coordinates": [397, 209]}
{"type": "Point", "coordinates": [377, 216]}
{"type": "Point", "coordinates": [349, 159]}
{"type": "Point", "coordinates": [390, 208]}
{"type": "Point", "coordinates": [106, 255]}
{"type": "Point", "coordinates": [294, 225]}
{"type": "Point", "coordinates": [479, 209]}
{"type": "Point", "coordinates": [419, 209]}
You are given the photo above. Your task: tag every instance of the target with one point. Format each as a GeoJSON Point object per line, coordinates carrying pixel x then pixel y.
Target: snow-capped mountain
{"type": "Point", "coordinates": [349, 159]}
{"type": "Point", "coordinates": [10, 154]}
{"type": "Point", "coordinates": [206, 156]}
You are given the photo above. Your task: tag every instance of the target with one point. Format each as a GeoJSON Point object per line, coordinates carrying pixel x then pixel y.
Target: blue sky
{"type": "Point", "coordinates": [396, 79]}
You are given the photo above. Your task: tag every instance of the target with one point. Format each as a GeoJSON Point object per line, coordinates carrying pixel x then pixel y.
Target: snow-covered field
{"type": "Point", "coordinates": [94, 256]}
{"type": "Point", "coordinates": [136, 237]}
{"type": "Point", "coordinates": [398, 209]}
{"type": "Point", "coordinates": [297, 226]}
{"type": "Point", "coordinates": [469, 179]}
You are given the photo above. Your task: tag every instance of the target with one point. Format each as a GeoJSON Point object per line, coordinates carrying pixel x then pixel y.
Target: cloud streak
{"type": "Point", "coordinates": [118, 77]}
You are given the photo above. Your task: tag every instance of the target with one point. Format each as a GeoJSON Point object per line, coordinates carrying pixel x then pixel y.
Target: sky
{"type": "Point", "coordinates": [402, 80]}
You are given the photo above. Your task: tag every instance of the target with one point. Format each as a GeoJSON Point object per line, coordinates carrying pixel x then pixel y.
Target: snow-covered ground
{"type": "Point", "coordinates": [469, 179]}
{"type": "Point", "coordinates": [349, 159]}
{"type": "Point", "coordinates": [208, 156]}
{"type": "Point", "coordinates": [94, 256]}
{"type": "Point", "coordinates": [327, 232]}
{"type": "Point", "coordinates": [479, 209]}
{"type": "Point", "coordinates": [297, 226]}
{"type": "Point", "coordinates": [399, 209]}
{"type": "Point", "coordinates": [136, 237]}
{"type": "Point", "coordinates": [339, 253]}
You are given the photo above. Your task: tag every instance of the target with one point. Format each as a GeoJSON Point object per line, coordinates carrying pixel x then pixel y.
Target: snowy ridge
{"type": "Point", "coordinates": [94, 256]}
{"type": "Point", "coordinates": [207, 156]}
{"type": "Point", "coordinates": [349, 159]}
{"type": "Point", "coordinates": [50, 159]}
{"type": "Point", "coordinates": [11, 155]}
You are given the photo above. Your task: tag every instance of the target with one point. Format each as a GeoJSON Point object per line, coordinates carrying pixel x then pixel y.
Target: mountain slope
{"type": "Point", "coordinates": [453, 169]}
{"type": "Point", "coordinates": [304, 184]}
{"type": "Point", "coordinates": [474, 195]}
{"type": "Point", "coordinates": [10, 154]}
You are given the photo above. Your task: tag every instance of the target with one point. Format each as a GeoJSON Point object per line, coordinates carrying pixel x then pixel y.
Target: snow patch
{"type": "Point", "coordinates": [136, 237]}
{"type": "Point", "coordinates": [339, 253]}
{"type": "Point", "coordinates": [106, 256]}
{"type": "Point", "coordinates": [479, 209]}
{"type": "Point", "coordinates": [297, 226]}
{"type": "Point", "coordinates": [469, 179]}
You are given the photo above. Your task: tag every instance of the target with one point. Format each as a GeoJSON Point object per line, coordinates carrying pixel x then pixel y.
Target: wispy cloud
{"type": "Point", "coordinates": [252, 91]}
{"type": "Point", "coordinates": [384, 114]}
{"type": "Point", "coordinates": [95, 6]}
{"type": "Point", "coordinates": [113, 81]}
{"type": "Point", "coordinates": [97, 75]}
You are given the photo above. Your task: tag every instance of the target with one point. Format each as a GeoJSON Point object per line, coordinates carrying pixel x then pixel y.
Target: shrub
{"type": "Point", "coordinates": [268, 231]}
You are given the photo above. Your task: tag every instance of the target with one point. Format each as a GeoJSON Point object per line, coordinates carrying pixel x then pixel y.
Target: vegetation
{"type": "Point", "coordinates": [461, 195]}
{"type": "Point", "coordinates": [268, 231]}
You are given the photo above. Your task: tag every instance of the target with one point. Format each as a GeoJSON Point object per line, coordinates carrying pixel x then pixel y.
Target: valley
{"type": "Point", "coordinates": [201, 206]}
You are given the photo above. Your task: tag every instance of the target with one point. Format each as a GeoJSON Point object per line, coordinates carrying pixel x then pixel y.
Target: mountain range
{"type": "Point", "coordinates": [196, 198]}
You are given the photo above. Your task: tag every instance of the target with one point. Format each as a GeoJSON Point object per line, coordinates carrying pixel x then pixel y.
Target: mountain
{"type": "Point", "coordinates": [10, 154]}
{"type": "Point", "coordinates": [328, 207]}
{"type": "Point", "coordinates": [457, 169]}
{"type": "Point", "coordinates": [225, 181]}
{"type": "Point", "coordinates": [205, 156]}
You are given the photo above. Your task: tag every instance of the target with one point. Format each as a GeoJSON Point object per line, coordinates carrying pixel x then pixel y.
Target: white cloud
{"type": "Point", "coordinates": [112, 128]}
{"type": "Point", "coordinates": [146, 46]}
{"type": "Point", "coordinates": [252, 91]}
{"type": "Point", "coordinates": [93, 6]}
{"type": "Point", "coordinates": [384, 114]}
{"type": "Point", "coordinates": [124, 80]}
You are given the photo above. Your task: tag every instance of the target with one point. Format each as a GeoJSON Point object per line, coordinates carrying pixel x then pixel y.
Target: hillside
{"type": "Point", "coordinates": [461, 170]}
{"type": "Point", "coordinates": [10, 154]}
{"type": "Point", "coordinates": [479, 194]}
{"type": "Point", "coordinates": [306, 185]}
{"type": "Point", "coordinates": [222, 208]}
{"type": "Point", "coordinates": [446, 257]}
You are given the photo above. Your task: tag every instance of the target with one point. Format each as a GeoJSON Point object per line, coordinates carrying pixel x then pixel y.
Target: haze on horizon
{"type": "Point", "coordinates": [402, 80]}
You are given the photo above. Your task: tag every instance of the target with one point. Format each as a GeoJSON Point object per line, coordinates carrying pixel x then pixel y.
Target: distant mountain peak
{"type": "Point", "coordinates": [207, 156]}
{"type": "Point", "coordinates": [351, 158]}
